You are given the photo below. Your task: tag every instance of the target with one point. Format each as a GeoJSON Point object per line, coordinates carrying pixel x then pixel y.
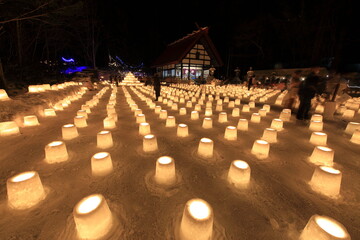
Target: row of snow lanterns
{"type": "Point", "coordinates": [239, 176]}
{"type": "Point", "coordinates": [45, 87]}
{"type": "Point", "coordinates": [12, 128]}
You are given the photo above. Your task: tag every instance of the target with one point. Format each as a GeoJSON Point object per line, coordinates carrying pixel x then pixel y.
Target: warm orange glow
{"type": "Point", "coordinates": [243, 125]}
{"type": "Point", "coordinates": [31, 120]}
{"type": "Point", "coordinates": [104, 140]}
{"type": "Point", "coordinates": [56, 152]}
{"type": "Point", "coordinates": [261, 149]}
{"type": "Point", "coordinates": [69, 131]}
{"type": "Point", "coordinates": [182, 130]}
{"type": "Point", "coordinates": [165, 171]}
{"type": "Point", "coordinates": [101, 164]}
{"type": "Point", "coordinates": [150, 143]}
{"type": "Point", "coordinates": [239, 174]}
{"type": "Point", "coordinates": [230, 133]}
{"type": "Point", "coordinates": [206, 148]}
{"type": "Point", "coordinates": [9, 128]}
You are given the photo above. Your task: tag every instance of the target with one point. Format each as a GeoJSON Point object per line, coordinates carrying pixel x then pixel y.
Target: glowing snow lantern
{"type": "Point", "coordinates": [165, 171]}
{"type": "Point", "coordinates": [261, 149]}
{"type": "Point", "coordinates": [170, 121]}
{"type": "Point", "coordinates": [197, 220]}
{"type": "Point", "coordinates": [69, 131]}
{"type": "Point", "coordinates": [101, 164]}
{"type": "Point", "coordinates": [174, 106]}
{"type": "Point", "coordinates": [243, 124]}
{"type": "Point", "coordinates": [255, 118]}
{"type": "Point", "coordinates": [150, 143]}
{"type": "Point", "coordinates": [246, 108]}
{"type": "Point", "coordinates": [285, 115]}
{"type": "Point", "coordinates": [341, 109]}
{"type": "Point", "coordinates": [322, 155]}
{"type": "Point", "coordinates": [219, 108]}
{"type": "Point", "coordinates": [114, 116]}
{"type": "Point", "coordinates": [355, 138]}
{"type": "Point", "coordinates": [182, 111]}
{"type": "Point", "coordinates": [222, 117]}
{"type": "Point", "coordinates": [133, 107]}
{"type": "Point", "coordinates": [231, 104]}
{"type": "Point", "coordinates": [56, 152]}
{"type": "Point", "coordinates": [206, 148]}
{"type": "Point", "coordinates": [237, 102]}
{"type": "Point", "coordinates": [277, 124]}
{"type": "Point", "coordinates": [182, 130]}
{"type": "Point", "coordinates": [319, 108]}
{"type": "Point", "coordinates": [3, 95]}
{"type": "Point", "coordinates": [267, 107]}
{"type": "Point", "coordinates": [9, 128]}
{"type": "Point", "coordinates": [326, 180]}
{"type": "Point", "coordinates": [318, 138]}
{"type": "Point", "coordinates": [109, 123]}
{"type": "Point", "coordinates": [144, 128]}
{"type": "Point", "coordinates": [316, 126]}
{"type": "Point", "coordinates": [86, 108]}
{"type": "Point", "coordinates": [49, 112]}
{"type": "Point", "coordinates": [270, 135]}
{"type": "Point", "coordinates": [188, 104]}
{"type": "Point", "coordinates": [235, 112]}
{"type": "Point", "coordinates": [80, 122]}
{"type": "Point", "coordinates": [324, 228]}
{"type": "Point", "coordinates": [251, 104]}
{"type": "Point", "coordinates": [262, 112]}
{"type": "Point", "coordinates": [351, 127]}
{"type": "Point", "coordinates": [104, 139]}
{"type": "Point", "coordinates": [157, 109]}
{"type": "Point", "coordinates": [197, 107]}
{"type": "Point", "coordinates": [207, 123]}
{"type": "Point", "coordinates": [31, 120]}
{"type": "Point", "coordinates": [316, 117]}
{"type": "Point", "coordinates": [208, 112]}
{"type": "Point", "coordinates": [137, 112]}
{"type": "Point", "coordinates": [239, 174]}
{"type": "Point", "coordinates": [24, 190]}
{"type": "Point", "coordinates": [208, 104]}
{"type": "Point", "coordinates": [140, 118]}
{"type": "Point", "coordinates": [194, 115]}
{"type": "Point", "coordinates": [348, 114]}
{"type": "Point", "coordinates": [163, 114]}
{"type": "Point", "coordinates": [230, 133]}
{"type": "Point", "coordinates": [93, 218]}
{"type": "Point", "coordinates": [82, 113]}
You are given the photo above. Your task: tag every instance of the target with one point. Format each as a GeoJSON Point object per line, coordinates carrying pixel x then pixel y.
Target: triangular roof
{"type": "Point", "coordinates": [177, 50]}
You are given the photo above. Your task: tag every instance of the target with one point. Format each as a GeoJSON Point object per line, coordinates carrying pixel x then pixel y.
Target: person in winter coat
{"type": "Point", "coordinates": [307, 91]}
{"type": "Point", "coordinates": [157, 87]}
{"type": "Point", "coordinates": [293, 89]}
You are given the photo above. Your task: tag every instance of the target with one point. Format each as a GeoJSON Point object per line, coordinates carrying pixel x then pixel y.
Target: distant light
{"type": "Point", "coordinates": [67, 60]}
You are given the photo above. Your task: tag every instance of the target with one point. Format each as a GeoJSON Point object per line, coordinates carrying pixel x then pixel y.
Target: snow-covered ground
{"type": "Point", "coordinates": [277, 204]}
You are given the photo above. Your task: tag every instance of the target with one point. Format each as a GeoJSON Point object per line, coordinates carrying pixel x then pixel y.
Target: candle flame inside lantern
{"type": "Point", "coordinates": [89, 204]}
{"type": "Point", "coordinates": [330, 227]}
{"type": "Point", "coordinates": [23, 177]}
{"type": "Point", "coordinates": [199, 210]}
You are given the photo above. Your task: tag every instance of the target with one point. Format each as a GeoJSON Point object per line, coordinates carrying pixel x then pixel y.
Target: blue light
{"type": "Point", "coordinates": [67, 60]}
{"type": "Point", "coordinates": [71, 70]}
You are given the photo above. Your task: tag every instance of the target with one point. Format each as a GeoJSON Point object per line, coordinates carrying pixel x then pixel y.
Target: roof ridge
{"type": "Point", "coordinates": [188, 35]}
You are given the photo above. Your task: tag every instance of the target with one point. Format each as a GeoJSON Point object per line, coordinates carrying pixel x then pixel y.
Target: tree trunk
{"type": "Point", "coordinates": [2, 78]}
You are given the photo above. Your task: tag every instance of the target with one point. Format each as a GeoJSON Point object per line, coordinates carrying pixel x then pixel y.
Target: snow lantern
{"type": "Point", "coordinates": [114, 116]}
{"type": "Point", "coordinates": [82, 113]}
{"type": "Point", "coordinates": [230, 133]}
{"type": "Point", "coordinates": [219, 108]}
{"type": "Point", "coordinates": [157, 109]}
{"type": "Point", "coordinates": [69, 131]}
{"type": "Point", "coordinates": [285, 115]}
{"type": "Point", "coordinates": [239, 174]}
{"type": "Point", "coordinates": [261, 149]}
{"type": "Point", "coordinates": [194, 115]}
{"type": "Point", "coordinates": [243, 124]}
{"type": "Point", "coordinates": [326, 180]}
{"type": "Point", "coordinates": [207, 123]}
{"type": "Point", "coordinates": [9, 128]}
{"type": "Point", "coordinates": [355, 138]}
{"type": "Point", "coordinates": [31, 120]}
{"type": "Point", "coordinates": [351, 127]}
{"type": "Point", "coordinates": [237, 101]}
{"type": "Point", "coordinates": [231, 104]}
{"type": "Point", "coordinates": [140, 118]}
{"type": "Point", "coordinates": [262, 112]}
{"type": "Point", "coordinates": [316, 117]}
{"type": "Point", "coordinates": [270, 135]}
{"type": "Point", "coordinates": [324, 228]}
{"type": "Point", "coordinates": [235, 112]}
{"type": "Point", "coordinates": [49, 112]}
{"type": "Point", "coordinates": [109, 123]}
{"type": "Point", "coordinates": [251, 104]}
{"type": "Point", "coordinates": [93, 218]}
{"type": "Point", "coordinates": [348, 114]}
{"type": "Point", "coordinates": [322, 155]}
{"type": "Point", "coordinates": [208, 112]}
{"type": "Point", "coordinates": [165, 171]}
{"type": "Point", "coordinates": [104, 139]}
{"type": "Point", "coordinates": [174, 106]}
{"type": "Point", "coordinates": [277, 124]}
{"type": "Point", "coordinates": [197, 107]}
{"type": "Point", "coordinates": [208, 104]}
{"type": "Point", "coordinates": [3, 95]}
{"type": "Point", "coordinates": [170, 121]}
{"type": "Point", "coordinates": [222, 117]}
{"type": "Point", "coordinates": [86, 108]}
{"type": "Point", "coordinates": [246, 108]}
{"type": "Point", "coordinates": [182, 130]}
{"type": "Point", "coordinates": [137, 111]}
{"type": "Point", "coordinates": [316, 126]}
{"type": "Point", "coordinates": [319, 108]}
{"type": "Point", "coordinates": [182, 111]}
{"type": "Point", "coordinates": [144, 128]}
{"type": "Point", "coordinates": [188, 104]}
{"type": "Point", "coordinates": [101, 164]}
{"type": "Point", "coordinates": [133, 107]}
{"type": "Point", "coordinates": [206, 148]}
{"type": "Point", "coordinates": [318, 138]}
{"type": "Point", "coordinates": [24, 190]}
{"type": "Point", "coordinates": [80, 122]}
{"type": "Point", "coordinates": [255, 118]}
{"type": "Point", "coordinates": [163, 114]}
{"type": "Point", "coordinates": [150, 143]}
{"type": "Point", "coordinates": [197, 220]}
{"type": "Point", "coordinates": [56, 152]}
